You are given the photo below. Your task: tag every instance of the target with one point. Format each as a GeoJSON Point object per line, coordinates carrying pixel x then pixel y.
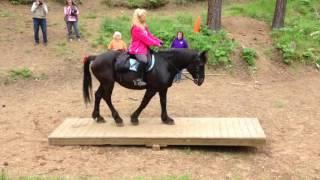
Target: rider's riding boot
{"type": "Point", "coordinates": [141, 71]}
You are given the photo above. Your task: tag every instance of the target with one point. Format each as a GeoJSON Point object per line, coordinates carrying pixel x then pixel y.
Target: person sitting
{"type": "Point", "coordinates": [141, 41]}
{"type": "Point", "coordinates": [179, 42]}
{"type": "Point", "coordinates": [117, 44]}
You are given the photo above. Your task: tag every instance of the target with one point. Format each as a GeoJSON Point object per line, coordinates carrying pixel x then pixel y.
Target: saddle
{"type": "Point", "coordinates": [128, 62]}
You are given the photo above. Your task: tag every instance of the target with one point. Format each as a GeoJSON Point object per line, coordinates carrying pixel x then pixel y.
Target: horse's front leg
{"type": "Point", "coordinates": [146, 99]}
{"type": "Point", "coordinates": [163, 101]}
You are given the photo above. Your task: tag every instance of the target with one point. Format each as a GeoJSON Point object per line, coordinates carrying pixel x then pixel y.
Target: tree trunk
{"type": "Point", "coordinates": [279, 14]}
{"type": "Point", "coordinates": [214, 14]}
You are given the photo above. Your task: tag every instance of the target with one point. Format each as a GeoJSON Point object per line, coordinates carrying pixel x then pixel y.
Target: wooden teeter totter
{"type": "Point", "coordinates": [151, 132]}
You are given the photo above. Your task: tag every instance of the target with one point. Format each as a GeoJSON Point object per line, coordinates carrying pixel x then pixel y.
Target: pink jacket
{"type": "Point", "coordinates": [141, 40]}
{"type": "Point", "coordinates": [67, 12]}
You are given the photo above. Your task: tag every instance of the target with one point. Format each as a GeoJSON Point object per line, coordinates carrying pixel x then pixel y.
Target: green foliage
{"type": "Point", "coordinates": [23, 73]}
{"type": "Point", "coordinates": [64, 1]}
{"type": "Point", "coordinates": [16, 2]}
{"type": "Point", "coordinates": [149, 4]}
{"type": "Point", "coordinates": [184, 2]}
{"type": "Point", "coordinates": [217, 43]}
{"type": "Point", "coordinates": [318, 63]}
{"type": "Point", "coordinates": [299, 41]}
{"type": "Point", "coordinates": [3, 175]}
{"type": "Point", "coordinates": [259, 9]}
{"type": "Point", "coordinates": [288, 51]}
{"type": "Point", "coordinates": [249, 55]}
{"type": "Point", "coordinates": [146, 3]}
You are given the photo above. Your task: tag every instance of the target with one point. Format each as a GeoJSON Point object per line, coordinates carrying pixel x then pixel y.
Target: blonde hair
{"type": "Point", "coordinates": [136, 17]}
{"type": "Point", "coordinates": [115, 34]}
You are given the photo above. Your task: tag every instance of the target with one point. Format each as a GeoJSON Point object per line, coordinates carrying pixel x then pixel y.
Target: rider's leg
{"type": "Point", "coordinates": [141, 69]}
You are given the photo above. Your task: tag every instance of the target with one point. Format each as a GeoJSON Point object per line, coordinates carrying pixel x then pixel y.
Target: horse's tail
{"type": "Point", "coordinates": [87, 80]}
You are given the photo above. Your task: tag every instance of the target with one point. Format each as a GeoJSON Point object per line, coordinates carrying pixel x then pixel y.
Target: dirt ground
{"type": "Point", "coordinates": [285, 99]}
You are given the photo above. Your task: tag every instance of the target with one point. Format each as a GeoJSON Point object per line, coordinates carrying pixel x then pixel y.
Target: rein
{"type": "Point", "coordinates": [177, 70]}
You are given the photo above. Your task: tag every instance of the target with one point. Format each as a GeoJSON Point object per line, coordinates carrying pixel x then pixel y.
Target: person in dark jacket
{"type": "Point", "coordinates": [179, 42]}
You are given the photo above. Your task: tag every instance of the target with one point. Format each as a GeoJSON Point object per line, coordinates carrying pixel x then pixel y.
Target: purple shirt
{"type": "Point", "coordinates": [179, 43]}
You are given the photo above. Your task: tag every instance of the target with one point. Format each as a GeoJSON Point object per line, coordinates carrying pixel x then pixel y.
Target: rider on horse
{"type": "Point", "coordinates": [141, 40]}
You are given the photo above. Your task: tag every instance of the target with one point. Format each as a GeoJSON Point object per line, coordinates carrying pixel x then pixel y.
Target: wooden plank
{"type": "Point", "coordinates": [187, 131]}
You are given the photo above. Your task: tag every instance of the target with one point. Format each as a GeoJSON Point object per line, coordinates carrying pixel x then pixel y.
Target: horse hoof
{"type": "Point", "coordinates": [169, 122]}
{"type": "Point", "coordinates": [100, 120]}
{"type": "Point", "coordinates": [135, 123]}
{"type": "Point", "coordinates": [120, 124]}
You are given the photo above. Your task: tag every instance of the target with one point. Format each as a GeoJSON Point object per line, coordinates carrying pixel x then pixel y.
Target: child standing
{"type": "Point", "coordinates": [117, 44]}
{"type": "Point", "coordinates": [179, 42]}
{"type": "Point", "coordinates": [71, 13]}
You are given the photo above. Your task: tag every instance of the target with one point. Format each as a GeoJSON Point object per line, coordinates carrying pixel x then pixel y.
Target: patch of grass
{"type": "Point", "coordinates": [258, 9]}
{"type": "Point", "coordinates": [217, 43]}
{"type": "Point", "coordinates": [279, 104]}
{"type": "Point", "coordinates": [49, 178]}
{"type": "Point", "coordinates": [83, 30]}
{"type": "Point", "coordinates": [5, 14]}
{"type": "Point", "coordinates": [3, 175]}
{"type": "Point", "coordinates": [169, 177]}
{"type": "Point", "coordinates": [185, 2]}
{"type": "Point", "coordinates": [23, 73]}
{"type": "Point", "coordinates": [299, 41]}
{"type": "Point", "coordinates": [90, 15]}
{"type": "Point", "coordinates": [269, 52]}
{"type": "Point", "coordinates": [16, 2]}
{"type": "Point", "coordinates": [63, 50]}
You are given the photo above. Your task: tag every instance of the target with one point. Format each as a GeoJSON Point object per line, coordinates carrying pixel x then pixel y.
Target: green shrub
{"type": "Point", "coordinates": [249, 55]}
{"type": "Point", "coordinates": [149, 4]}
{"type": "Point", "coordinates": [219, 45]}
{"type": "Point", "coordinates": [299, 41]}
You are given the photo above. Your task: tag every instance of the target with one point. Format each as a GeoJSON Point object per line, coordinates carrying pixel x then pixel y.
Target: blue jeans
{"type": "Point", "coordinates": [37, 22]}
{"type": "Point", "coordinates": [73, 24]}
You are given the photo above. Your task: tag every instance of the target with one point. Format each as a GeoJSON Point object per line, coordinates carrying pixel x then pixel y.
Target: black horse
{"type": "Point", "coordinates": [167, 64]}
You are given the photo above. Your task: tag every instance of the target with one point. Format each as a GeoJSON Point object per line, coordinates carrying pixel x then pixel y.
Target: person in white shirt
{"type": "Point", "coordinates": [39, 11]}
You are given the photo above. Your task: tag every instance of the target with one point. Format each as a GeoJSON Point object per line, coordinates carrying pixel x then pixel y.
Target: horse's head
{"type": "Point", "coordinates": [197, 67]}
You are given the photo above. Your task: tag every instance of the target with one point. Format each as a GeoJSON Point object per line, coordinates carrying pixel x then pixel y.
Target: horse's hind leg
{"type": "Point", "coordinates": [96, 111]}
{"type": "Point", "coordinates": [107, 97]}
{"type": "Point", "coordinates": [146, 99]}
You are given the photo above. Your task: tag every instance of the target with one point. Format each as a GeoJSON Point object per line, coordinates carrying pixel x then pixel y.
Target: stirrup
{"type": "Point", "coordinates": [139, 82]}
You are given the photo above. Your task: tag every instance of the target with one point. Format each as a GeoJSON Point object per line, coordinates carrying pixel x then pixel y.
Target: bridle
{"type": "Point", "coordinates": [187, 77]}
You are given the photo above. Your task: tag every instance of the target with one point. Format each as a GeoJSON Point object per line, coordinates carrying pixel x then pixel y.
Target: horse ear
{"type": "Point", "coordinates": [204, 56]}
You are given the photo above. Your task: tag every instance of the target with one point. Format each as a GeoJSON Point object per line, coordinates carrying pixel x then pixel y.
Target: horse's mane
{"type": "Point", "coordinates": [174, 51]}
